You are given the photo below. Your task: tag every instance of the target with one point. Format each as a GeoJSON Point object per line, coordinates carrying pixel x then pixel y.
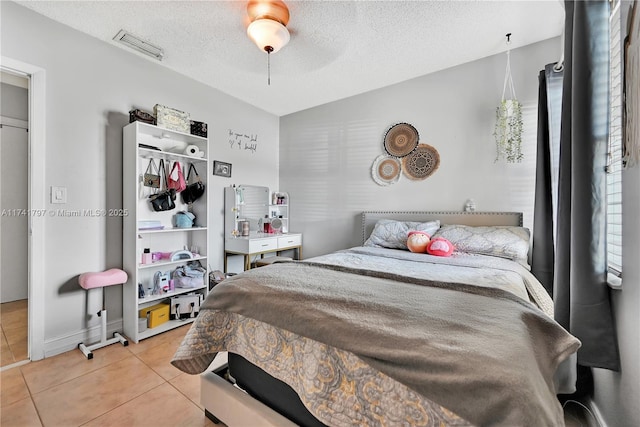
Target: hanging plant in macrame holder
{"type": "Point", "coordinates": [508, 130]}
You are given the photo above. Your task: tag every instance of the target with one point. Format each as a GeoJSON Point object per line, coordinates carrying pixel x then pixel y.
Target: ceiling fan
{"type": "Point", "coordinates": [268, 27]}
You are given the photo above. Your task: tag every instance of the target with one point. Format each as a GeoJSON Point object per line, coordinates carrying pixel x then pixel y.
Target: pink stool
{"type": "Point", "coordinates": [114, 276]}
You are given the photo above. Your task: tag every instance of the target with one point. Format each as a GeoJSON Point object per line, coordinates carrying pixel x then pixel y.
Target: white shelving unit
{"type": "Point", "coordinates": [280, 210]}
{"type": "Point", "coordinates": [171, 147]}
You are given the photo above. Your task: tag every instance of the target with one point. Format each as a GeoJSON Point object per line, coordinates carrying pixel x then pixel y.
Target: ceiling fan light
{"type": "Point", "coordinates": [267, 32]}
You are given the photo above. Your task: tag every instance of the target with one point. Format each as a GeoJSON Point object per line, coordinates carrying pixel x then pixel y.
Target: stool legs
{"type": "Point", "coordinates": [101, 280]}
{"type": "Point", "coordinates": [87, 349]}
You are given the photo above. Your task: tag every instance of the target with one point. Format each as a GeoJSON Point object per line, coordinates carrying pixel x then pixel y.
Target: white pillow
{"type": "Point", "coordinates": [392, 234]}
{"type": "Point", "coordinates": [500, 241]}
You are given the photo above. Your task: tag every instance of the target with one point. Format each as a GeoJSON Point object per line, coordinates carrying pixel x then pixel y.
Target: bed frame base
{"type": "Point", "coordinates": [234, 407]}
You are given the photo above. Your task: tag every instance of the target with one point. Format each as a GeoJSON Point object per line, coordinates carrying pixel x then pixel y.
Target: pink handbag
{"type": "Point", "coordinates": [176, 178]}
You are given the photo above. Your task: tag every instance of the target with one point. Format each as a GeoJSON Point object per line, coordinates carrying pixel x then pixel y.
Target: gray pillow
{"type": "Point", "coordinates": [500, 241]}
{"type": "Point", "coordinates": [392, 234]}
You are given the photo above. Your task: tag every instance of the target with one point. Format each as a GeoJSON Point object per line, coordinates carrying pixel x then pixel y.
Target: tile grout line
{"type": "Point", "coordinates": [4, 338]}
{"type": "Point", "coordinates": [122, 404]}
{"type": "Point", "coordinates": [33, 402]}
{"type": "Point", "coordinates": [13, 307]}
{"type": "Point", "coordinates": [169, 381]}
{"type": "Point", "coordinates": [130, 352]}
{"type": "Point", "coordinates": [71, 378]}
{"type": "Point", "coordinates": [165, 381]}
{"type": "Point", "coordinates": [91, 372]}
{"type": "Point", "coordinates": [187, 397]}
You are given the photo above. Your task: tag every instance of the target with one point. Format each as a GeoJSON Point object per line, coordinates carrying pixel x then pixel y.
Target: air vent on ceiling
{"type": "Point", "coordinates": [140, 45]}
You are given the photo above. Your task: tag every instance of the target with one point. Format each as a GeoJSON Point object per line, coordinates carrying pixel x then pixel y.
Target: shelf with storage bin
{"type": "Point", "coordinates": [165, 138]}
{"type": "Point", "coordinates": [190, 241]}
{"type": "Point", "coordinates": [178, 291]}
{"type": "Point", "coordinates": [167, 326]}
{"type": "Point", "coordinates": [170, 230]}
{"type": "Point", "coordinates": [148, 153]}
{"type": "Point", "coordinates": [169, 238]}
{"type": "Point", "coordinates": [161, 264]}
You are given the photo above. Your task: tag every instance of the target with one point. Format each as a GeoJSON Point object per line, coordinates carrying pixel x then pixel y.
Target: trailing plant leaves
{"type": "Point", "coordinates": [508, 131]}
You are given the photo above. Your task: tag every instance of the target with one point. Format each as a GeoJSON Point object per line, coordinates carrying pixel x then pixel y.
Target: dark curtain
{"type": "Point", "coordinates": [546, 201]}
{"type": "Point", "coordinates": [569, 245]}
{"type": "Point", "coordinates": [580, 290]}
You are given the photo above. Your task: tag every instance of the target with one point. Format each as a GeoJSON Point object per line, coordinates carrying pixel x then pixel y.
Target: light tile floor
{"type": "Point", "coordinates": [13, 322]}
{"type": "Point", "coordinates": [125, 386]}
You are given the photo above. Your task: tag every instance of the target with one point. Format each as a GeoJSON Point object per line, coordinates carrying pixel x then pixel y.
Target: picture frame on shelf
{"type": "Point", "coordinates": [222, 168]}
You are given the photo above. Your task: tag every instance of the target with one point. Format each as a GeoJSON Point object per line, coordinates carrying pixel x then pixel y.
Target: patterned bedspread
{"type": "Point", "coordinates": [335, 385]}
{"type": "Point", "coordinates": [363, 345]}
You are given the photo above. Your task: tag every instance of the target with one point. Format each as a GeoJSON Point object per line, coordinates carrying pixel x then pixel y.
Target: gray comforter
{"type": "Point", "coordinates": [471, 269]}
{"type": "Point", "coordinates": [485, 353]}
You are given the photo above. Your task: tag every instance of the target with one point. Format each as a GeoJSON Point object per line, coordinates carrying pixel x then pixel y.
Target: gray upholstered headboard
{"type": "Point", "coordinates": [369, 218]}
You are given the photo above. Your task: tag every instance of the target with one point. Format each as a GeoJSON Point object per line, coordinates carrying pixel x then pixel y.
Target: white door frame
{"type": "Point", "coordinates": [37, 200]}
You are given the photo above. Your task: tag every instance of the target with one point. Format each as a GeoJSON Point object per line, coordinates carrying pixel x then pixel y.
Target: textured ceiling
{"type": "Point", "coordinates": [337, 48]}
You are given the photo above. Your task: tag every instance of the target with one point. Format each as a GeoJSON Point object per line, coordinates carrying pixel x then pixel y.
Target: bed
{"type": "Point", "coordinates": [378, 335]}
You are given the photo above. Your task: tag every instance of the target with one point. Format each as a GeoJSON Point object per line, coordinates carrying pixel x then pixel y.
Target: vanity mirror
{"type": "Point", "coordinates": [248, 203]}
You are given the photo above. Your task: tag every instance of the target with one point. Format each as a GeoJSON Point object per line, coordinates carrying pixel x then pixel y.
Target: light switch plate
{"type": "Point", "coordinates": [58, 194]}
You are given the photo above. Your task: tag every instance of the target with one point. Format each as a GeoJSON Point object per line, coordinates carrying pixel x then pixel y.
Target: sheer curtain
{"type": "Point", "coordinates": [579, 270]}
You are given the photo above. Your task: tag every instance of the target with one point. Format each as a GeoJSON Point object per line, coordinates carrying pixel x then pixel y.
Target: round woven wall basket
{"type": "Point", "coordinates": [422, 163]}
{"type": "Point", "coordinates": [386, 170]}
{"type": "Point", "coordinates": [401, 139]}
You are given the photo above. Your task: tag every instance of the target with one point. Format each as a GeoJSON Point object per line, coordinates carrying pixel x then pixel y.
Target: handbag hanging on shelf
{"type": "Point", "coordinates": [176, 178]}
{"type": "Point", "coordinates": [150, 178]}
{"type": "Point", "coordinates": [163, 200]}
{"type": "Point", "coordinates": [194, 190]}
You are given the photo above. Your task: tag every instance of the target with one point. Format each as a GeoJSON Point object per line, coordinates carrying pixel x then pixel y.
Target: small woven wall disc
{"type": "Point", "coordinates": [422, 163]}
{"type": "Point", "coordinates": [386, 170]}
{"type": "Point", "coordinates": [401, 139]}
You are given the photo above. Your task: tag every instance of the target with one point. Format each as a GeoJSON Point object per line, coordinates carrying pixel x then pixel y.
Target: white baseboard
{"type": "Point", "coordinates": [70, 342]}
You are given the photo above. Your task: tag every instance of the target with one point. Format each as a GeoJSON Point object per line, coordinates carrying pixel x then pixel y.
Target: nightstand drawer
{"type": "Point", "coordinates": [262, 245]}
{"type": "Point", "coordinates": [289, 241]}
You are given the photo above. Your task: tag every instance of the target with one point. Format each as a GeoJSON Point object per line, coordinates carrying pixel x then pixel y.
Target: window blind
{"type": "Point", "coordinates": [614, 161]}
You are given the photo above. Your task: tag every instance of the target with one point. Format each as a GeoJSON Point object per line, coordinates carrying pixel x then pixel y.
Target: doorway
{"type": "Point", "coordinates": [36, 195]}
{"type": "Point", "coordinates": [14, 219]}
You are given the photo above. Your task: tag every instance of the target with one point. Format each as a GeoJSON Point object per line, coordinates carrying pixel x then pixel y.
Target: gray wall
{"type": "Point", "coordinates": [617, 393]}
{"type": "Point", "coordinates": [14, 102]}
{"type": "Point", "coordinates": [326, 153]}
{"type": "Point", "coordinates": [90, 87]}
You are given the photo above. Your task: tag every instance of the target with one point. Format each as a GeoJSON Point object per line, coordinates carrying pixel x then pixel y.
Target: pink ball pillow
{"type": "Point", "coordinates": [417, 241]}
{"type": "Point", "coordinates": [440, 247]}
